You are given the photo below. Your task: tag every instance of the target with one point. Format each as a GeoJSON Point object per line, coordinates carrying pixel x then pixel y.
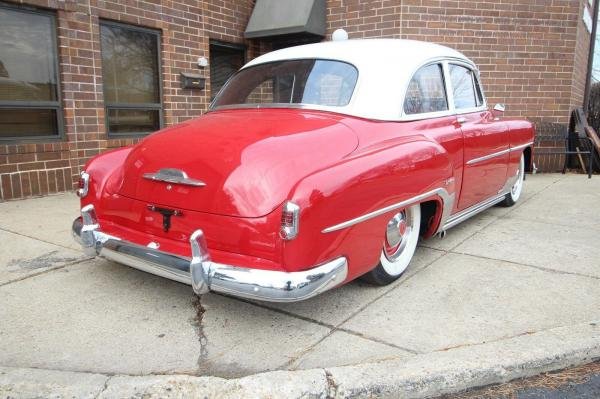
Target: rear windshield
{"type": "Point", "coordinates": [315, 82]}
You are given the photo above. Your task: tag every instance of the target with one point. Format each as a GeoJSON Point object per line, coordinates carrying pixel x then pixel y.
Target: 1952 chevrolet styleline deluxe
{"type": "Point", "coordinates": [315, 165]}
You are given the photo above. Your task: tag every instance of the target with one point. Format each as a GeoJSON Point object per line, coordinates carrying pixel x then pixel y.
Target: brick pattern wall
{"type": "Point", "coordinates": [532, 55]}
{"type": "Point", "coordinates": [581, 59]}
{"type": "Point", "coordinates": [367, 19]}
{"type": "Point", "coordinates": [186, 26]}
{"type": "Point", "coordinates": [525, 49]}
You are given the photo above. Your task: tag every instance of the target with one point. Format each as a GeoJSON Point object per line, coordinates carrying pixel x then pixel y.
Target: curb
{"type": "Point", "coordinates": [422, 376]}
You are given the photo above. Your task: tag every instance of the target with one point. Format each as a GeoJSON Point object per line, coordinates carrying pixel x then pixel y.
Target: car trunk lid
{"type": "Point", "coordinates": [236, 162]}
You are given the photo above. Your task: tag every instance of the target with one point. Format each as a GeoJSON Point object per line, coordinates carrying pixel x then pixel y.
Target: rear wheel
{"type": "Point", "coordinates": [399, 244]}
{"type": "Point", "coordinates": [515, 192]}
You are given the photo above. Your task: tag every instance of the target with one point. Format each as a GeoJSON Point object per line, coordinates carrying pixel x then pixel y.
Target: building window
{"type": "Point", "coordinates": [225, 60]}
{"type": "Point", "coordinates": [29, 95]}
{"type": "Point", "coordinates": [131, 76]}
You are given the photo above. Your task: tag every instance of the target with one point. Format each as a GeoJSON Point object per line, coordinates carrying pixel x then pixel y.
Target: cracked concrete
{"type": "Point", "coordinates": [22, 257]}
{"type": "Point", "coordinates": [332, 387]}
{"type": "Point", "coordinates": [42, 261]}
{"type": "Point", "coordinates": [202, 339]}
{"type": "Point", "coordinates": [517, 283]}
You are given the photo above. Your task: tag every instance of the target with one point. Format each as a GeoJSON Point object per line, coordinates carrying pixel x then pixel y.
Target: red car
{"type": "Point", "coordinates": [315, 165]}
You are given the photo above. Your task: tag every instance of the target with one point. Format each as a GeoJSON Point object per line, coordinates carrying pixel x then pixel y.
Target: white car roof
{"type": "Point", "coordinates": [385, 67]}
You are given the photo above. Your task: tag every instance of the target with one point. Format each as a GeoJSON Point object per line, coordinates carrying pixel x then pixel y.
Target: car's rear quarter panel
{"type": "Point", "coordinates": [521, 132]}
{"type": "Point", "coordinates": [374, 178]}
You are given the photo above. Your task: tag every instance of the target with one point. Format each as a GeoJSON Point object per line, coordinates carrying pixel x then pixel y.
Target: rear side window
{"type": "Point", "coordinates": [463, 88]}
{"type": "Point", "coordinates": [426, 91]}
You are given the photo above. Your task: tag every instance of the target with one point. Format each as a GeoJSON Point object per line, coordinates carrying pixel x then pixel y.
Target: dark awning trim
{"type": "Point", "coordinates": [286, 17]}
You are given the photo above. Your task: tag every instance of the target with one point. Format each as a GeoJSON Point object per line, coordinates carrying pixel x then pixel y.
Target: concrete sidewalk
{"type": "Point", "coordinates": [509, 293]}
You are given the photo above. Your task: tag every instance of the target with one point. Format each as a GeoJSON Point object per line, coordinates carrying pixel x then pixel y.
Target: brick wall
{"type": "Point", "coordinates": [532, 55]}
{"type": "Point", "coordinates": [366, 19]}
{"type": "Point", "coordinates": [581, 60]}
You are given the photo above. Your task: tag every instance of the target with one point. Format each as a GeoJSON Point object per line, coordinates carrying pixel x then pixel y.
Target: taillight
{"type": "Point", "coordinates": [290, 217]}
{"type": "Point", "coordinates": [84, 184]}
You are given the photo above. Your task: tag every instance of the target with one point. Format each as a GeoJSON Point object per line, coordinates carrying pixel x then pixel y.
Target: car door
{"type": "Point", "coordinates": [426, 104]}
{"type": "Point", "coordinates": [486, 141]}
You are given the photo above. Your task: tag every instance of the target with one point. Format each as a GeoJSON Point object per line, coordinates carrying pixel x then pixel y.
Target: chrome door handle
{"type": "Point", "coordinates": [461, 119]}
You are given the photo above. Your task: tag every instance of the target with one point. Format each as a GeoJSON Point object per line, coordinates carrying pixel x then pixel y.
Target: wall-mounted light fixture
{"type": "Point", "coordinates": [202, 62]}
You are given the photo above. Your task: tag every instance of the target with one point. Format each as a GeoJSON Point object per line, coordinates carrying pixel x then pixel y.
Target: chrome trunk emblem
{"type": "Point", "coordinates": [174, 176]}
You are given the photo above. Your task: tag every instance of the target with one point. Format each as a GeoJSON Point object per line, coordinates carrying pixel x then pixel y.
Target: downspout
{"type": "Point", "coordinates": [588, 83]}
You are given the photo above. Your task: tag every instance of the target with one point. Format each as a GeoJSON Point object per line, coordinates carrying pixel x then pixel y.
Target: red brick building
{"type": "Point", "coordinates": [81, 77]}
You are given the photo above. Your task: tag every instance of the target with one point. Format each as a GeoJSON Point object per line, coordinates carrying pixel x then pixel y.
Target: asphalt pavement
{"type": "Point", "coordinates": [581, 382]}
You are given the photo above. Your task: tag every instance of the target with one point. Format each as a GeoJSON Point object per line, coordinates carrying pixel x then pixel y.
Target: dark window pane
{"type": "Point", "coordinates": [224, 62]}
{"type": "Point", "coordinates": [27, 57]}
{"type": "Point", "coordinates": [462, 87]}
{"type": "Point", "coordinates": [127, 121]}
{"type": "Point", "coordinates": [129, 65]}
{"type": "Point", "coordinates": [310, 81]}
{"type": "Point", "coordinates": [426, 91]}
{"type": "Point", "coordinates": [27, 122]}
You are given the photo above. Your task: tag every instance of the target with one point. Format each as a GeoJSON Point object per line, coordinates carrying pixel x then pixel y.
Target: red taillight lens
{"type": "Point", "coordinates": [287, 219]}
{"type": "Point", "coordinates": [84, 184]}
{"type": "Point", "coordinates": [290, 218]}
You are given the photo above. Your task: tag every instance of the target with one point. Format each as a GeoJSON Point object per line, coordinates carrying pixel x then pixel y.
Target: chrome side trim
{"type": "Point", "coordinates": [499, 153]}
{"type": "Point", "coordinates": [205, 275]}
{"type": "Point", "coordinates": [489, 156]}
{"type": "Point", "coordinates": [471, 211]}
{"type": "Point", "coordinates": [447, 220]}
{"type": "Point", "coordinates": [175, 176]}
{"type": "Point", "coordinates": [446, 197]}
{"type": "Point", "coordinates": [465, 214]}
{"type": "Point", "coordinates": [520, 147]}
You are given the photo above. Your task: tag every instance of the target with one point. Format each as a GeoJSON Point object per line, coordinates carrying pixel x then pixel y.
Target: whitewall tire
{"type": "Point", "coordinates": [515, 191]}
{"type": "Point", "coordinates": [400, 240]}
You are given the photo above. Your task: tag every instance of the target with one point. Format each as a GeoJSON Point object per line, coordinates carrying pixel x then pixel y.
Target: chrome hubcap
{"type": "Point", "coordinates": [396, 235]}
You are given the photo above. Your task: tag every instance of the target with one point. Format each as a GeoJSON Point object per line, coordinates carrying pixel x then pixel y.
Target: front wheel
{"type": "Point", "coordinates": [399, 244]}
{"type": "Point", "coordinates": [515, 192]}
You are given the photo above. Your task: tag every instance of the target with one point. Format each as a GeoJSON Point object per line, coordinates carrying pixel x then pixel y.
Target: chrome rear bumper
{"type": "Point", "coordinates": [205, 275]}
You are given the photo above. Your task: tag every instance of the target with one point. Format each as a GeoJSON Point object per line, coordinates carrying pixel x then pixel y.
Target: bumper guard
{"type": "Point", "coordinates": [202, 273]}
